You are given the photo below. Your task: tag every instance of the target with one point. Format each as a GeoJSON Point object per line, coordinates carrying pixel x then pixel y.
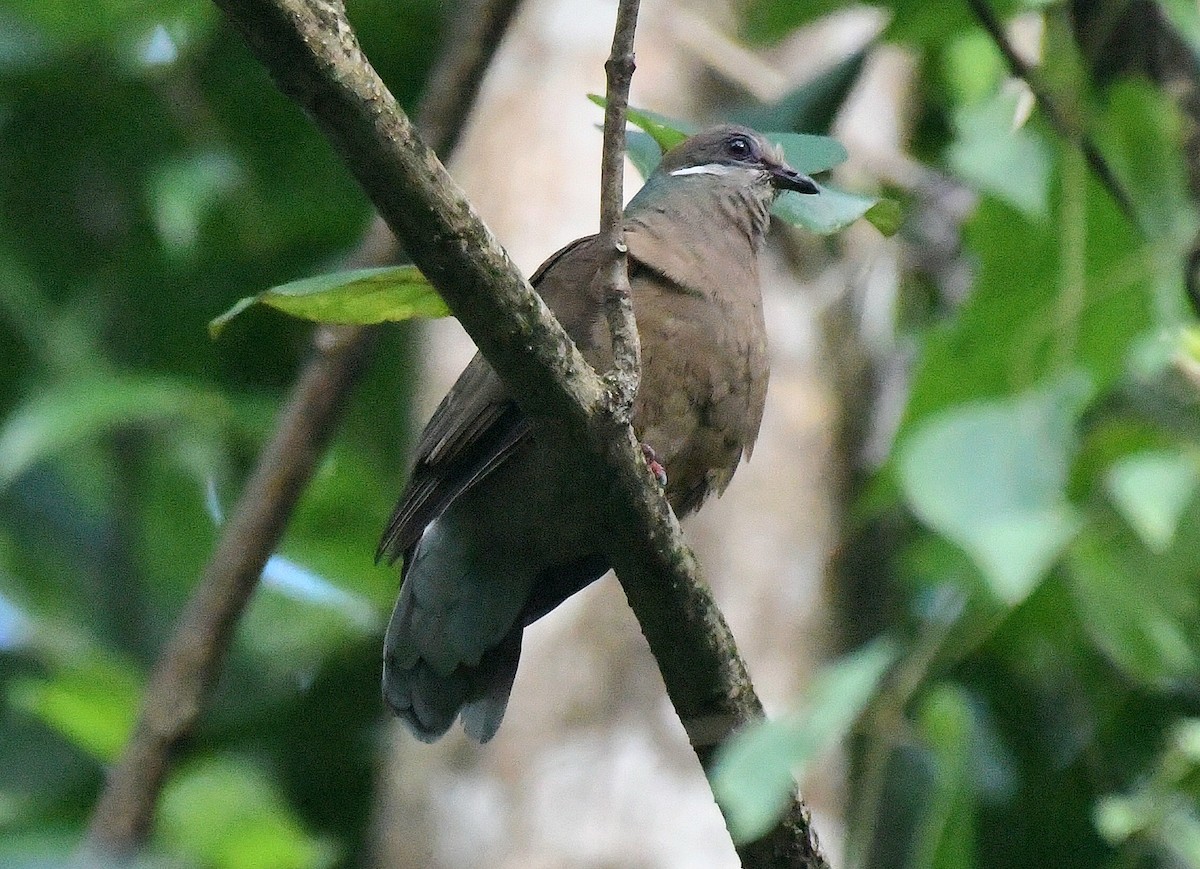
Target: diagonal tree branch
{"type": "Point", "coordinates": [311, 50]}
{"type": "Point", "coordinates": [192, 659]}
{"type": "Point", "coordinates": [1055, 115]}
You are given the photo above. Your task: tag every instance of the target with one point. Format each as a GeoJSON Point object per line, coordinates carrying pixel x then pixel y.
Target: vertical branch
{"type": "Point", "coordinates": [623, 380]}
{"type": "Point", "coordinates": [191, 661]}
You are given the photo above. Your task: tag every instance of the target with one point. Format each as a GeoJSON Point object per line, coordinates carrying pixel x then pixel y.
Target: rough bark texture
{"type": "Point", "coordinates": [625, 375]}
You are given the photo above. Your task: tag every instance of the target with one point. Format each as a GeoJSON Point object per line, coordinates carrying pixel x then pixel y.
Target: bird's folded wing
{"type": "Point", "coordinates": [478, 425]}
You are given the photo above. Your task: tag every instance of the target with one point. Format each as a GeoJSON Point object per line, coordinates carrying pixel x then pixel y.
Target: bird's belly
{"type": "Point", "coordinates": [695, 399]}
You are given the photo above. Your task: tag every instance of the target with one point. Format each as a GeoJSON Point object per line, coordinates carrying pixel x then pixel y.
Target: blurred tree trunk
{"type": "Point", "coordinates": [591, 767]}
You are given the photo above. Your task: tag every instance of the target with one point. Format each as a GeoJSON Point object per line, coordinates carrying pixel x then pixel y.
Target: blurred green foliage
{"type": "Point", "coordinates": [1036, 526]}
{"type": "Point", "coordinates": [150, 176]}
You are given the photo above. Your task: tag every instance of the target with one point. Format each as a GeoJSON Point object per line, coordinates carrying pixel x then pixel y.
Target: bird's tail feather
{"type": "Point", "coordinates": [429, 703]}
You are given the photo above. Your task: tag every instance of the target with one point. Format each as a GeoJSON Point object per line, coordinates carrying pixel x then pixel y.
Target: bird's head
{"type": "Point", "coordinates": [737, 154]}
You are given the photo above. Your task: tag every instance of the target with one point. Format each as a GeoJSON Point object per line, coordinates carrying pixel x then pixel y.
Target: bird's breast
{"type": "Point", "coordinates": [704, 371]}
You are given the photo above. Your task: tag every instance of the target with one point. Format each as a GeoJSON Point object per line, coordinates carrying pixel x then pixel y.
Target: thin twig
{"type": "Point", "coordinates": [618, 306]}
{"type": "Point", "coordinates": [193, 657]}
{"type": "Point", "coordinates": [1057, 118]}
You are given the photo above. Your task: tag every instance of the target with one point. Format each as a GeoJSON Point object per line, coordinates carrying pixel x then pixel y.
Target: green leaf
{"type": "Point", "coordinates": [973, 67]}
{"type": "Point", "coordinates": [811, 106]}
{"type": "Point", "coordinates": [830, 210]}
{"type": "Point", "coordinates": [991, 477]}
{"type": "Point", "coordinates": [1151, 637]}
{"type": "Point", "coordinates": [1011, 164]}
{"type": "Point", "coordinates": [360, 297]}
{"type": "Point", "coordinates": [1151, 490]}
{"type": "Point", "coordinates": [224, 813]}
{"type": "Point", "coordinates": [804, 152]}
{"type": "Point", "coordinates": [886, 216]}
{"type": "Point", "coordinates": [754, 773]}
{"type": "Point", "coordinates": [1184, 16]}
{"type": "Point", "coordinates": [118, 26]}
{"type": "Point", "coordinates": [932, 25]}
{"type": "Point", "coordinates": [1141, 135]}
{"type": "Point", "coordinates": [1160, 811]}
{"type": "Point", "coordinates": [823, 213]}
{"type": "Point", "coordinates": [807, 153]}
{"type": "Point", "coordinates": [185, 190]}
{"type": "Point", "coordinates": [643, 152]}
{"type": "Point", "coordinates": [93, 703]}
{"type": "Point", "coordinates": [63, 416]}
{"type": "Point", "coordinates": [1008, 335]}
{"type": "Point", "coordinates": [667, 132]}
{"type": "Point", "coordinates": [945, 836]}
{"type": "Point", "coordinates": [770, 20]}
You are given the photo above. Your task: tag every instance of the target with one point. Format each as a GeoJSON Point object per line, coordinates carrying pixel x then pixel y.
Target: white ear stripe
{"type": "Point", "coordinates": [706, 169]}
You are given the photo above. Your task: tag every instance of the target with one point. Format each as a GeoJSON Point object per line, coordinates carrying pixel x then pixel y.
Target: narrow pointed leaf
{"type": "Point", "coordinates": [667, 132]}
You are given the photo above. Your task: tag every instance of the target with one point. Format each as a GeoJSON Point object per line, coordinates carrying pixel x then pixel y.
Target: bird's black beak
{"type": "Point", "coordinates": [785, 177]}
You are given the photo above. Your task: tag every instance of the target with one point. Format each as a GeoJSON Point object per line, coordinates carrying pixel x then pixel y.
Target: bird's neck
{"type": "Point", "coordinates": [722, 204]}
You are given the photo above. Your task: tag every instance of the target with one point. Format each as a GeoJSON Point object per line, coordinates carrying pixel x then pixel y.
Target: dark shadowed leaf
{"type": "Point", "coordinates": [1151, 634]}
{"type": "Point", "coordinates": [65, 415]}
{"type": "Point", "coordinates": [643, 152]}
{"type": "Point", "coordinates": [1184, 17]}
{"type": "Point", "coordinates": [812, 106]}
{"type": "Point", "coordinates": [945, 836]}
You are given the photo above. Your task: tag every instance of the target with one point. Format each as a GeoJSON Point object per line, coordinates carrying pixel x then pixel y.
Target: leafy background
{"type": "Point", "coordinates": [1018, 579]}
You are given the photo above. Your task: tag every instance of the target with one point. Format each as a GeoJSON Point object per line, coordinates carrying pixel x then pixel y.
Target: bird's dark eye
{"type": "Point", "coordinates": [740, 147]}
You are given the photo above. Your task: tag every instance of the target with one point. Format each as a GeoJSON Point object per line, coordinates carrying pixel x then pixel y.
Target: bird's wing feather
{"type": "Point", "coordinates": [478, 425]}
